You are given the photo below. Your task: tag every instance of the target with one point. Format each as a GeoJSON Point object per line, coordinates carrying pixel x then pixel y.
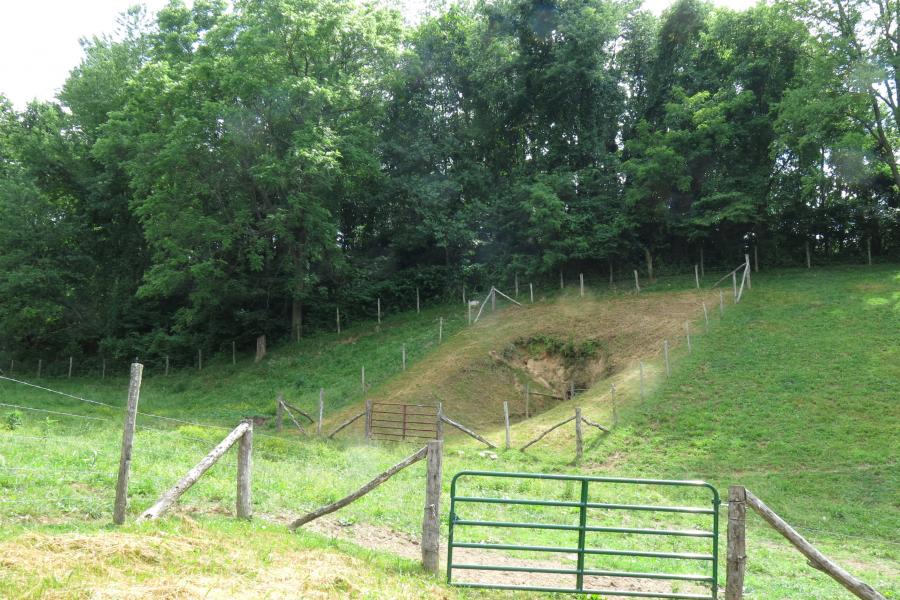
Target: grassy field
{"type": "Point", "coordinates": [793, 393]}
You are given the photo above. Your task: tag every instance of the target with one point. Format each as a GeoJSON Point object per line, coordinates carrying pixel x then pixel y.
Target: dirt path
{"type": "Point", "coordinates": [385, 539]}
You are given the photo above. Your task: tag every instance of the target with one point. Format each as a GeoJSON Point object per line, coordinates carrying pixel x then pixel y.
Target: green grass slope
{"type": "Point", "coordinates": [793, 393]}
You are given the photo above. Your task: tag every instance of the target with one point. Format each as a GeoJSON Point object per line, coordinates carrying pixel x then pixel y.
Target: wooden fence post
{"type": "Point", "coordinates": [233, 353]}
{"type": "Point", "coordinates": [362, 378]}
{"type": "Point", "coordinates": [642, 379]}
{"type": "Point", "coordinates": [493, 299]}
{"type": "Point", "coordinates": [581, 284]}
{"type": "Point", "coordinates": [737, 557]}
{"type": "Point", "coordinates": [244, 505]}
{"type": "Point", "coordinates": [70, 367]}
{"type": "Point", "coordinates": [808, 263]}
{"type": "Point", "coordinates": [403, 348]}
{"type": "Point", "coordinates": [321, 411]}
{"type": "Point", "coordinates": [167, 366]}
{"type": "Point", "coordinates": [431, 522]}
{"type": "Point", "coordinates": [506, 421]}
{"type": "Point", "coordinates": [637, 283]}
{"type": "Point", "coordinates": [666, 354]}
{"type": "Point", "coordinates": [337, 312]}
{"type": "Point", "coordinates": [517, 285]}
{"type": "Point", "coordinates": [134, 393]}
{"type": "Point", "coordinates": [279, 412]}
{"type": "Point", "coordinates": [199, 360]}
{"type": "Point", "coordinates": [260, 348]}
{"type": "Point", "coordinates": [561, 286]}
{"type": "Point", "coordinates": [755, 258]}
{"type": "Point", "coordinates": [697, 275]}
{"type": "Point", "coordinates": [734, 285]}
{"type": "Point", "coordinates": [527, 400]}
{"type": "Point", "coordinates": [579, 442]}
{"type": "Point", "coordinates": [440, 329]}
{"type": "Point", "coordinates": [418, 309]}
{"type": "Point", "coordinates": [612, 395]}
{"type": "Point", "coordinates": [706, 316]}
{"type": "Point", "coordinates": [368, 418]}
{"type": "Point", "coordinates": [439, 423]}
{"type": "Point", "coordinates": [531, 292]}
{"type": "Point", "coordinates": [869, 250]}
{"type": "Point", "coordinates": [379, 311]}
{"type": "Point", "coordinates": [747, 269]}
{"type": "Point", "coordinates": [687, 333]}
{"type": "Point", "coordinates": [721, 302]}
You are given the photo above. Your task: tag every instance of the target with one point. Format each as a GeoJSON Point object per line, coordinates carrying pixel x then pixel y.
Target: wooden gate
{"type": "Point", "coordinates": [399, 422]}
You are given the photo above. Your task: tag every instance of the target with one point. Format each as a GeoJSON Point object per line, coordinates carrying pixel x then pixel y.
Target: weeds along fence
{"type": "Point", "coordinates": [255, 347]}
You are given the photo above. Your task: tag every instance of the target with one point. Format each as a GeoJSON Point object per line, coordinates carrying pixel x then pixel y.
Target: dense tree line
{"type": "Point", "coordinates": [215, 173]}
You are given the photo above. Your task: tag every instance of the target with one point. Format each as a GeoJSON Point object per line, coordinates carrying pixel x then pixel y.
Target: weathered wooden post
{"type": "Point", "coordinates": [70, 367]}
{"type": "Point", "coordinates": [506, 421]}
{"type": "Point", "coordinates": [579, 442]}
{"type": "Point", "coordinates": [260, 348]}
{"type": "Point", "coordinates": [431, 521]}
{"type": "Point", "coordinates": [869, 250]}
{"type": "Point", "coordinates": [527, 400]}
{"type": "Point", "coordinates": [721, 302]}
{"type": "Point", "coordinates": [637, 283]}
{"type": "Point", "coordinates": [687, 333]}
{"type": "Point", "coordinates": [493, 298]}
{"type": "Point", "coordinates": [612, 396]}
{"type": "Point", "coordinates": [642, 379]}
{"type": "Point", "coordinates": [233, 353]}
{"type": "Point", "coordinates": [734, 284]}
{"type": "Point", "coordinates": [755, 258]}
{"type": "Point", "coordinates": [440, 329]}
{"type": "Point", "coordinates": [706, 316]}
{"type": "Point", "coordinates": [321, 411]}
{"type": "Point", "coordinates": [403, 354]}
{"type": "Point", "coordinates": [517, 285]}
{"type": "Point", "coordinates": [279, 412]}
{"type": "Point", "coordinates": [379, 311]}
{"type": "Point", "coordinates": [560, 279]}
{"type": "Point", "coordinates": [666, 354]}
{"type": "Point", "coordinates": [464, 295]}
{"type": "Point", "coordinates": [337, 312]}
{"type": "Point", "coordinates": [531, 292]}
{"type": "Point", "coordinates": [167, 366]}
{"type": "Point", "coordinates": [581, 284]}
{"type": "Point", "coordinates": [199, 360]}
{"type": "Point", "coordinates": [134, 393]}
{"type": "Point", "coordinates": [244, 505]}
{"type": "Point", "coordinates": [417, 301]}
{"type": "Point", "coordinates": [747, 270]}
{"type": "Point", "coordinates": [808, 263]}
{"type": "Point", "coordinates": [697, 275]}
{"type": "Point", "coordinates": [737, 556]}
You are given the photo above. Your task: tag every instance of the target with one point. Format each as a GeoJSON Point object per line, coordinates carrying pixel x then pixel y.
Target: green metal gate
{"type": "Point", "coordinates": [708, 559]}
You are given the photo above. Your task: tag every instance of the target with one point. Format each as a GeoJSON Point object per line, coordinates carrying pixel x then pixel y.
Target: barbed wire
{"type": "Point", "coordinates": [54, 412]}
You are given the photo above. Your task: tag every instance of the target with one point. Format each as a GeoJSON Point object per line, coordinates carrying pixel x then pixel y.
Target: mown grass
{"type": "Point", "coordinates": [793, 394]}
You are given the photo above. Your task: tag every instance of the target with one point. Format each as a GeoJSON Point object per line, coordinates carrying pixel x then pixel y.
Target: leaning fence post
{"type": "Point", "coordinates": [579, 442]}
{"type": "Point", "coordinates": [134, 392]}
{"type": "Point", "coordinates": [506, 421]}
{"type": "Point", "coordinates": [737, 557]}
{"type": "Point", "coordinates": [431, 522]}
{"type": "Point", "coordinates": [245, 473]}
{"type": "Point", "coordinates": [279, 412]}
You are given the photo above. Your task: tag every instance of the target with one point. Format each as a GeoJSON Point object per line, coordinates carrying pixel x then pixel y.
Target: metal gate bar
{"type": "Point", "coordinates": [581, 551]}
{"type": "Point", "coordinates": [399, 422]}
